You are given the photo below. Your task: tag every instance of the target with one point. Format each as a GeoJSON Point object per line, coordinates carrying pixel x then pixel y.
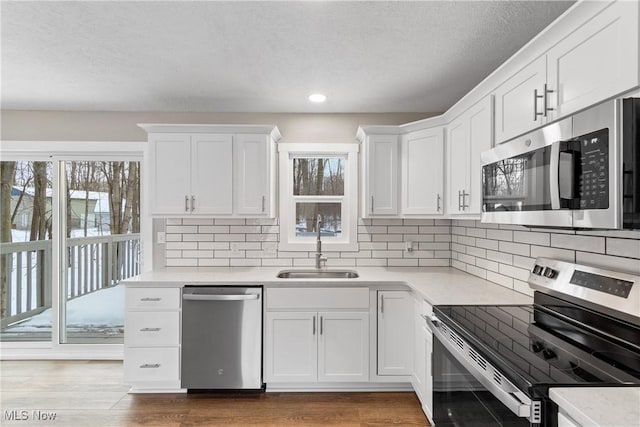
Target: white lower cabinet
{"type": "Point", "coordinates": [152, 338]}
{"type": "Point", "coordinates": [395, 333]}
{"type": "Point", "coordinates": [317, 347]}
{"type": "Point", "coordinates": [422, 379]}
{"type": "Point", "coordinates": [316, 335]}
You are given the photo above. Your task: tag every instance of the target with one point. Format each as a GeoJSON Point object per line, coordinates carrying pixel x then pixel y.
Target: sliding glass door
{"type": "Point", "coordinates": [70, 234]}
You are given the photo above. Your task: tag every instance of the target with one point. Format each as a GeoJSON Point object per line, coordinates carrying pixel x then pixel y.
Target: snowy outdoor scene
{"type": "Point", "coordinates": [101, 197]}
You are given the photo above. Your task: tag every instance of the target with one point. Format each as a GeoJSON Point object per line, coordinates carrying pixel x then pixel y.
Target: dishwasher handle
{"type": "Point", "coordinates": [220, 297]}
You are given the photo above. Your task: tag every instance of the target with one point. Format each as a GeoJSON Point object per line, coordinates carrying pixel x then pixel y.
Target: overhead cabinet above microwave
{"type": "Point", "coordinates": [597, 61]}
{"type": "Point", "coordinates": [212, 170]}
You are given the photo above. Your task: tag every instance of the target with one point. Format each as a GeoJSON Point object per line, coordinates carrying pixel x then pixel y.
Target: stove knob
{"type": "Point", "coordinates": [550, 273]}
{"type": "Point", "coordinates": [537, 347]}
{"type": "Point", "coordinates": [537, 269]}
{"type": "Point", "coordinates": [548, 354]}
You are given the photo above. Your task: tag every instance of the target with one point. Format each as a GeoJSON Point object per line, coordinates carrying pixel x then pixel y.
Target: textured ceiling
{"type": "Point", "coordinates": [257, 56]}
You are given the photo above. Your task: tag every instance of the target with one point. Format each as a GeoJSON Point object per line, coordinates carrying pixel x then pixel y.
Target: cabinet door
{"type": "Point", "coordinates": [343, 348]}
{"type": "Point", "coordinates": [480, 118]}
{"type": "Point", "coordinates": [170, 174]}
{"type": "Point", "coordinates": [516, 104]}
{"type": "Point", "coordinates": [458, 164]}
{"type": "Point", "coordinates": [423, 172]}
{"type": "Point", "coordinates": [382, 175]}
{"type": "Point", "coordinates": [251, 164]}
{"type": "Point", "coordinates": [395, 333]}
{"type": "Point", "coordinates": [427, 397]}
{"type": "Point", "coordinates": [291, 347]}
{"type": "Point", "coordinates": [418, 376]}
{"type": "Point", "coordinates": [597, 61]}
{"type": "Point", "coordinates": [211, 174]}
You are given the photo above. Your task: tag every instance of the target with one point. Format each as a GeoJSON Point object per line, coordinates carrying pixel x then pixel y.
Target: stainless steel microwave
{"type": "Point", "coordinates": [580, 172]}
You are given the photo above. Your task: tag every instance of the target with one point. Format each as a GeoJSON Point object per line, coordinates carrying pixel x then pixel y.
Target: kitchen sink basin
{"type": "Point", "coordinates": [317, 274]}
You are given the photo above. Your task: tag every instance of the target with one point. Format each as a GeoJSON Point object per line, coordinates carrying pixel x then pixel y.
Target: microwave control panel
{"type": "Point", "coordinates": [593, 175]}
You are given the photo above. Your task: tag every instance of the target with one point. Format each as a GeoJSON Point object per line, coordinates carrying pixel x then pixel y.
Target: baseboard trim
{"type": "Point", "coordinates": [346, 387]}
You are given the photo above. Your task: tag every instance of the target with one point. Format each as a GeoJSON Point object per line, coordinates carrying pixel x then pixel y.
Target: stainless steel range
{"type": "Point", "coordinates": [494, 365]}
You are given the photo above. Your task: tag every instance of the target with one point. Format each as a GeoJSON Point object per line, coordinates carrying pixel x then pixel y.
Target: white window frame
{"type": "Point", "coordinates": [348, 241]}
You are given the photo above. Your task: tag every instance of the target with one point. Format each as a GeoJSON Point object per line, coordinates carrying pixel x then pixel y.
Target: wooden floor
{"type": "Point", "coordinates": [92, 393]}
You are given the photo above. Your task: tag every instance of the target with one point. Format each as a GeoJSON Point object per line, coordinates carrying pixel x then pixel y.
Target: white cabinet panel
{"type": "Point", "coordinates": [152, 329]}
{"type": "Point", "coordinates": [291, 347]}
{"type": "Point", "coordinates": [596, 62]}
{"type": "Point", "coordinates": [152, 364]}
{"type": "Point", "coordinates": [152, 298]}
{"type": "Point", "coordinates": [317, 298]}
{"type": "Point", "coordinates": [516, 105]}
{"type": "Point", "coordinates": [382, 175]}
{"type": "Point", "coordinates": [395, 333]}
{"type": "Point", "coordinates": [251, 160]}
{"type": "Point", "coordinates": [170, 173]}
{"type": "Point", "coordinates": [212, 174]}
{"type": "Point", "coordinates": [343, 351]}
{"type": "Point", "coordinates": [457, 164]}
{"type": "Point", "coordinates": [423, 172]}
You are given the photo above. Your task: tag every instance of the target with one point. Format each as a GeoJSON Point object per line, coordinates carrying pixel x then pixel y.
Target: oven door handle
{"type": "Point", "coordinates": [516, 404]}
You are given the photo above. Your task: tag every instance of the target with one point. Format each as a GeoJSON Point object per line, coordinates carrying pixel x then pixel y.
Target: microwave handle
{"type": "Point", "coordinates": [567, 176]}
{"type": "Point", "coordinates": [554, 176]}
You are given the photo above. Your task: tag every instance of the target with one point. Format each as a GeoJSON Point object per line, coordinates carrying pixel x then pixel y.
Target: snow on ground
{"type": "Point", "coordinates": [99, 309]}
{"type": "Point", "coordinates": [23, 235]}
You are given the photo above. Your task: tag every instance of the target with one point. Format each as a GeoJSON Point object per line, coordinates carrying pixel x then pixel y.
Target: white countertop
{"type": "Point", "coordinates": [600, 406]}
{"type": "Point", "coordinates": [438, 285]}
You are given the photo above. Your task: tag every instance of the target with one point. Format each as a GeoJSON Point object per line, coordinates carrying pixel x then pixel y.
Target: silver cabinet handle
{"type": "Point", "coordinates": [459, 198]}
{"type": "Point", "coordinates": [438, 207]}
{"type": "Point", "coordinates": [150, 329]}
{"type": "Point", "coordinates": [545, 97]}
{"type": "Point", "coordinates": [464, 199]}
{"type": "Point", "coordinates": [264, 199]}
{"type": "Point", "coordinates": [381, 303]}
{"type": "Point", "coordinates": [150, 366]}
{"type": "Point", "coordinates": [186, 203]}
{"type": "Point", "coordinates": [150, 299]}
{"type": "Point", "coordinates": [193, 203]}
{"type": "Point", "coordinates": [371, 204]}
{"type": "Point", "coordinates": [314, 325]}
{"type": "Point", "coordinates": [205, 297]}
{"type": "Point", "coordinates": [535, 104]}
{"type": "Point", "coordinates": [321, 325]}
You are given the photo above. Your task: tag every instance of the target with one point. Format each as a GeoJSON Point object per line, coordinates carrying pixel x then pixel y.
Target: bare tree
{"type": "Point", "coordinates": [7, 171]}
{"type": "Point", "coordinates": [39, 219]}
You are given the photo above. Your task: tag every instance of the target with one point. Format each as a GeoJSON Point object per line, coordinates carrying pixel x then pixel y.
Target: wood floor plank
{"type": "Point", "coordinates": [92, 393]}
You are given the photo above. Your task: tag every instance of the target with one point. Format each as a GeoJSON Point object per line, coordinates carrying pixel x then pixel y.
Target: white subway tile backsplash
{"type": "Point", "coordinates": [623, 247]}
{"type": "Point", "coordinates": [503, 254]}
{"type": "Point", "coordinates": [574, 242]}
{"type": "Point", "coordinates": [514, 248]}
{"type": "Point", "coordinates": [542, 239]}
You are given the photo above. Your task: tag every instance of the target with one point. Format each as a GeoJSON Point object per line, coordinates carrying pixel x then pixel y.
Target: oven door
{"type": "Point", "coordinates": [468, 391]}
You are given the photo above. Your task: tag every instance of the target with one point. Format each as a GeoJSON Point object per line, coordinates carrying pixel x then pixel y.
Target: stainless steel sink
{"type": "Point", "coordinates": [317, 274]}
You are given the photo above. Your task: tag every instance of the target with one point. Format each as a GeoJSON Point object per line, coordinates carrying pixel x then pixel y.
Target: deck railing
{"type": "Point", "coordinates": [93, 263]}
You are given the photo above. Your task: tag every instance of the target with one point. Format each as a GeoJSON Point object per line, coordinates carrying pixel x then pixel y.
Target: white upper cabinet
{"type": "Point", "coordinates": [252, 162]}
{"type": "Point", "coordinates": [468, 136]}
{"type": "Point", "coordinates": [422, 186]}
{"type": "Point", "coordinates": [169, 168]}
{"type": "Point", "coordinates": [380, 176]}
{"type": "Point", "coordinates": [519, 101]}
{"type": "Point", "coordinates": [211, 170]}
{"type": "Point", "coordinates": [597, 61]}
{"type": "Point", "coordinates": [211, 174]}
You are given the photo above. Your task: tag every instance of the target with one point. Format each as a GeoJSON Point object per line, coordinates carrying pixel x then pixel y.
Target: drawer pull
{"type": "Point", "coordinates": [150, 329]}
{"type": "Point", "coordinates": [150, 366]}
{"type": "Point", "coordinates": [150, 299]}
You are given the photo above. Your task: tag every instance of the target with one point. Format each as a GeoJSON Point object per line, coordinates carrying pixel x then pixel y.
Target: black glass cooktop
{"type": "Point", "coordinates": [537, 347]}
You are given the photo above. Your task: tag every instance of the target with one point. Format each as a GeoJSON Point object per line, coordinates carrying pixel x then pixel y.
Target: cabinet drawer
{"type": "Point", "coordinates": [317, 298]}
{"type": "Point", "coordinates": [152, 364]}
{"type": "Point", "coordinates": [152, 298]}
{"type": "Point", "coordinates": [152, 328]}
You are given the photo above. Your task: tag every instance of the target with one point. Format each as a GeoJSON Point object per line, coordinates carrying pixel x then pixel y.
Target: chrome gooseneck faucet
{"type": "Point", "coordinates": [319, 258]}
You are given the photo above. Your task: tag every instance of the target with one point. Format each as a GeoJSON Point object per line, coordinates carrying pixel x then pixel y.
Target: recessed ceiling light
{"type": "Point", "coordinates": [317, 97]}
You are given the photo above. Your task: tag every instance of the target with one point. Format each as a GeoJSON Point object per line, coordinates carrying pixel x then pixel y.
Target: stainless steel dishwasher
{"type": "Point", "coordinates": [221, 337]}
